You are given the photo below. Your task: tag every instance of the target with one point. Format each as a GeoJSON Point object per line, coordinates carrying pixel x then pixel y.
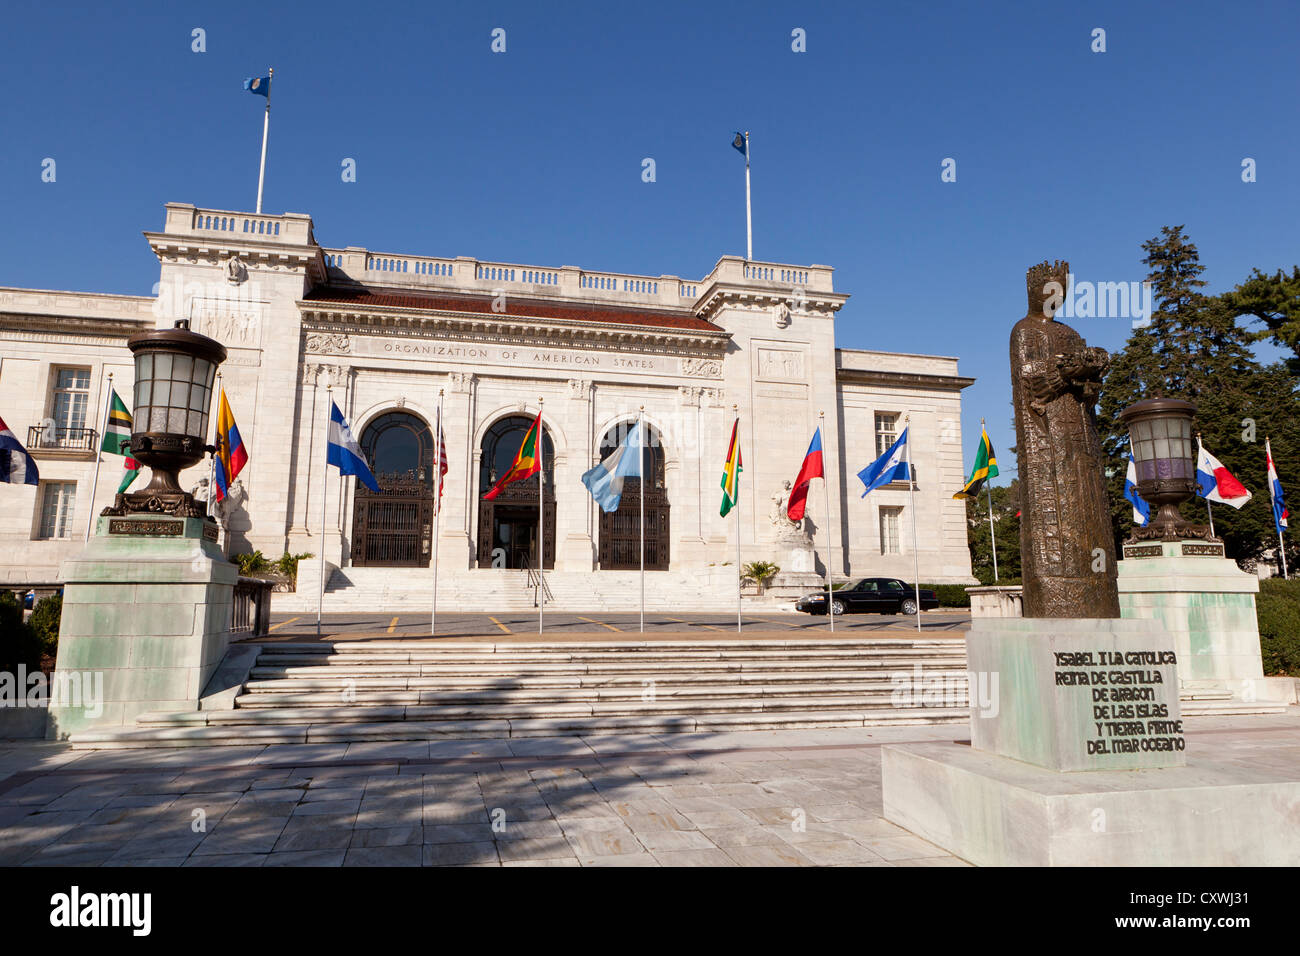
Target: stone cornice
{"type": "Point", "coordinates": [504, 328]}
{"type": "Point", "coordinates": [720, 295]}
{"type": "Point", "coordinates": [68, 328]}
{"type": "Point", "coordinates": [216, 249]}
{"type": "Point", "coordinates": [858, 376]}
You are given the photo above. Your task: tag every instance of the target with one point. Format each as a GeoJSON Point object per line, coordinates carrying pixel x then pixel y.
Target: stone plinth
{"type": "Point", "coordinates": [1207, 604]}
{"type": "Point", "coordinates": [1077, 694]}
{"type": "Point", "coordinates": [146, 610]}
{"type": "Point", "coordinates": [1219, 810]}
{"type": "Point", "coordinates": [997, 600]}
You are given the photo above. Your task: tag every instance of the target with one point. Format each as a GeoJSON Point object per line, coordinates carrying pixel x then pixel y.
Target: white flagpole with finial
{"type": "Point", "coordinates": [324, 487]}
{"type": "Point", "coordinates": [640, 450]}
{"type": "Point", "coordinates": [541, 518]}
{"type": "Point", "coordinates": [266, 126]}
{"type": "Point", "coordinates": [437, 513]}
{"type": "Point", "coordinates": [826, 491]}
{"type": "Point", "coordinates": [1208, 508]}
{"type": "Point", "coordinates": [911, 506]}
{"type": "Point", "coordinates": [99, 454]}
{"type": "Point", "coordinates": [1281, 545]}
{"type": "Point", "coordinates": [740, 600]}
{"type": "Point", "coordinates": [988, 486]}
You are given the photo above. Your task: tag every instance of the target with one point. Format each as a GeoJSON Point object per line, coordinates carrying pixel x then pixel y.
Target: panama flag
{"type": "Point", "coordinates": [605, 481]}
{"type": "Point", "coordinates": [344, 453]}
{"type": "Point", "coordinates": [889, 467]}
{"type": "Point", "coordinates": [232, 456]}
{"type": "Point", "coordinates": [810, 469]}
{"type": "Point", "coordinates": [1141, 510]}
{"type": "Point", "coordinates": [1215, 483]}
{"type": "Point", "coordinates": [1275, 491]}
{"type": "Point", "coordinates": [16, 466]}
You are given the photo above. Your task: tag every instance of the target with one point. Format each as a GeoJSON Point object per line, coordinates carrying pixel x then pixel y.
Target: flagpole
{"type": "Point", "coordinates": [749, 215]}
{"type": "Point", "coordinates": [437, 513]}
{"type": "Point", "coordinates": [739, 524]}
{"type": "Point", "coordinates": [266, 126]}
{"type": "Point", "coordinates": [988, 486]}
{"type": "Point", "coordinates": [640, 450]}
{"type": "Point", "coordinates": [1281, 546]}
{"type": "Point", "coordinates": [541, 518]}
{"type": "Point", "coordinates": [1208, 508]}
{"type": "Point", "coordinates": [99, 454]}
{"type": "Point", "coordinates": [212, 463]}
{"type": "Point", "coordinates": [826, 490]}
{"type": "Point", "coordinates": [324, 488]}
{"type": "Point", "coordinates": [911, 501]}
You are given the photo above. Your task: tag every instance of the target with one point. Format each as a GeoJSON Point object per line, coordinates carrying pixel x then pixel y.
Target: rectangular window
{"type": "Point", "coordinates": [57, 498]}
{"type": "Point", "coordinates": [71, 397]}
{"type": "Point", "coordinates": [886, 431]}
{"type": "Point", "coordinates": [891, 520]}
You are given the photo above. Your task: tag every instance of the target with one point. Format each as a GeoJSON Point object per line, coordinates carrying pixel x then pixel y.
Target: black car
{"type": "Point", "coordinates": [882, 595]}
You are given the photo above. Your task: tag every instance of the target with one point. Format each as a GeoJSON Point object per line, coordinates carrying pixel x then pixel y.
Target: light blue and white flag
{"type": "Point", "coordinates": [1141, 510]}
{"type": "Point", "coordinates": [605, 481]}
{"type": "Point", "coordinates": [889, 467]}
{"type": "Point", "coordinates": [344, 453]}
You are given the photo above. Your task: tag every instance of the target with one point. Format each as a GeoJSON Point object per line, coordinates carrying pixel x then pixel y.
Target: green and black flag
{"type": "Point", "coordinates": [986, 467]}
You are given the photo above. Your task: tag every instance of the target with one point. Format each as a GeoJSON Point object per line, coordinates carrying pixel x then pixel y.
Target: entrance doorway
{"type": "Point", "coordinates": [393, 527]}
{"type": "Point", "coordinates": [620, 530]}
{"type": "Point", "coordinates": [507, 525]}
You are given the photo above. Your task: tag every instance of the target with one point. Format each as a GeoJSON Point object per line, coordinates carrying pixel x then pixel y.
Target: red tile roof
{"type": "Point", "coordinates": [363, 298]}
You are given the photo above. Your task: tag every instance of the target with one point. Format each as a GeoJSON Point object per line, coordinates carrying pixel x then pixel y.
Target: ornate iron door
{"type": "Point", "coordinates": [394, 527]}
{"type": "Point", "coordinates": [620, 531]}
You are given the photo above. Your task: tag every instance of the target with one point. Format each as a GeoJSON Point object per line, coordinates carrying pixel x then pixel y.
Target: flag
{"type": "Point", "coordinates": [810, 469]}
{"type": "Point", "coordinates": [343, 451]}
{"type": "Point", "coordinates": [1215, 483]}
{"type": "Point", "coordinates": [731, 470]}
{"type": "Point", "coordinates": [232, 456]}
{"type": "Point", "coordinates": [526, 462]}
{"type": "Point", "coordinates": [1141, 510]}
{"type": "Point", "coordinates": [889, 467]}
{"type": "Point", "coordinates": [117, 432]}
{"type": "Point", "coordinates": [986, 466]}
{"type": "Point", "coordinates": [16, 465]}
{"type": "Point", "coordinates": [740, 144]}
{"type": "Point", "coordinates": [132, 471]}
{"type": "Point", "coordinates": [442, 464]}
{"type": "Point", "coordinates": [1275, 491]}
{"type": "Point", "coordinates": [605, 481]}
{"type": "Point", "coordinates": [261, 85]}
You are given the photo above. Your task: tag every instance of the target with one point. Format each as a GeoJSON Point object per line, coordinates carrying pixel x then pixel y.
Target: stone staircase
{"type": "Point", "coordinates": [411, 589]}
{"type": "Point", "coordinates": [418, 690]}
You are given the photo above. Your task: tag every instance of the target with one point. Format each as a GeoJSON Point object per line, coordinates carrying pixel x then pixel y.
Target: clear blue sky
{"type": "Point", "coordinates": [534, 155]}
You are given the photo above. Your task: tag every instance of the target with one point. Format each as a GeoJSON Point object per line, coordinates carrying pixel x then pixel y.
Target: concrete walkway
{"type": "Point", "coordinates": [760, 798]}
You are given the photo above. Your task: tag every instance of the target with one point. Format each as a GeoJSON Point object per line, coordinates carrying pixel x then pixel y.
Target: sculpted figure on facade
{"type": "Point", "coordinates": [1067, 545]}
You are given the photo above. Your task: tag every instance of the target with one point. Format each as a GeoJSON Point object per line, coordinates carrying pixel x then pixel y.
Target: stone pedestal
{"type": "Point", "coordinates": [798, 563]}
{"type": "Point", "coordinates": [1207, 604]}
{"type": "Point", "coordinates": [997, 600]}
{"type": "Point", "coordinates": [146, 617]}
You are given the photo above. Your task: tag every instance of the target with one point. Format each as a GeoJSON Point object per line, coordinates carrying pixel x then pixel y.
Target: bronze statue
{"type": "Point", "coordinates": [1067, 547]}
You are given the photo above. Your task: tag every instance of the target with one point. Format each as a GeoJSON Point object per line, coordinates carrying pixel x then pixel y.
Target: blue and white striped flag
{"type": "Point", "coordinates": [344, 453]}
{"type": "Point", "coordinates": [1141, 510]}
{"type": "Point", "coordinates": [605, 481]}
{"type": "Point", "coordinates": [16, 465]}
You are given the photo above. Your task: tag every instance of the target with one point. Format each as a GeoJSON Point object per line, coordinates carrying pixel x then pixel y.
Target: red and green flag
{"type": "Point", "coordinates": [527, 461]}
{"type": "Point", "coordinates": [731, 472]}
{"type": "Point", "coordinates": [117, 437]}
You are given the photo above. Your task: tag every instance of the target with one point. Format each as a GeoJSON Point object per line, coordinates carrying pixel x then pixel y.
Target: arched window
{"type": "Point", "coordinates": [501, 444]}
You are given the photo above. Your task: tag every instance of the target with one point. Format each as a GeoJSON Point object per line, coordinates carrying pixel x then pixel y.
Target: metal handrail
{"type": "Point", "coordinates": [536, 580]}
{"type": "Point", "coordinates": [60, 438]}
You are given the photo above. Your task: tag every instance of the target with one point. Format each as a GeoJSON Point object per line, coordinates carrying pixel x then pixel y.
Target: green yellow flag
{"type": "Point", "coordinates": [731, 472]}
{"type": "Point", "coordinates": [117, 435]}
{"type": "Point", "coordinates": [986, 467]}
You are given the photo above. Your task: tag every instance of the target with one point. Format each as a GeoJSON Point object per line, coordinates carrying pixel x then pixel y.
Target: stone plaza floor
{"type": "Point", "coordinates": [757, 798]}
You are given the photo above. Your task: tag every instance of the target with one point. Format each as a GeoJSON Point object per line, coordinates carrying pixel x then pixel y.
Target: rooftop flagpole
{"type": "Point", "coordinates": [749, 215]}
{"type": "Point", "coordinates": [266, 126]}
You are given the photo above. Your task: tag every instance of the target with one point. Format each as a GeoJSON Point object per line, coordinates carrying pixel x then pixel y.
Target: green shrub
{"type": "Point", "coordinates": [950, 595]}
{"type": "Point", "coordinates": [287, 564]}
{"type": "Point", "coordinates": [760, 572]}
{"type": "Point", "coordinates": [44, 623]}
{"type": "Point", "coordinates": [1278, 611]}
{"type": "Point", "coordinates": [18, 642]}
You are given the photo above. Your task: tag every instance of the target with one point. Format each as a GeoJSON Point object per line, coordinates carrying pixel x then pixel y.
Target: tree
{"type": "Point", "coordinates": [1194, 349]}
{"type": "Point", "coordinates": [1006, 528]}
{"type": "Point", "coordinates": [1275, 301]}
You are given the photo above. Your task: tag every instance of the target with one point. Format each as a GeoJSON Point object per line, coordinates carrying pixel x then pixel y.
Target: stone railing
{"type": "Point", "coordinates": [1004, 600]}
{"type": "Point", "coordinates": [187, 219]}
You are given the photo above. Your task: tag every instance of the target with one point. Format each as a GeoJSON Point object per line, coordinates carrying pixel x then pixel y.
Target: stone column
{"type": "Point", "coordinates": [575, 534]}
{"type": "Point", "coordinates": [460, 500]}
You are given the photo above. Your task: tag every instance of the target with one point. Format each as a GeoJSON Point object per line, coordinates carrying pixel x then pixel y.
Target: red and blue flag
{"type": "Point", "coordinates": [810, 469]}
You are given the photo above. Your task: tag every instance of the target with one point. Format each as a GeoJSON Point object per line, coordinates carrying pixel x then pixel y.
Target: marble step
{"type": "Point", "coordinates": [1194, 707]}
{"type": "Point", "coordinates": [343, 732]}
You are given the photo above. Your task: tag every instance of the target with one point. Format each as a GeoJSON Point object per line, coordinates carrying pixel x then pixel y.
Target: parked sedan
{"type": "Point", "coordinates": [881, 595]}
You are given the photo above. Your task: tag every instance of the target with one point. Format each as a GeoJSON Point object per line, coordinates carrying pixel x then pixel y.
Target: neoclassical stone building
{"type": "Point", "coordinates": [388, 336]}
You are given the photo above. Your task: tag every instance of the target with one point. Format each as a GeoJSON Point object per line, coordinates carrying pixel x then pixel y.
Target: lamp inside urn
{"type": "Point", "coordinates": [174, 372]}
{"type": "Point", "coordinates": [1164, 456]}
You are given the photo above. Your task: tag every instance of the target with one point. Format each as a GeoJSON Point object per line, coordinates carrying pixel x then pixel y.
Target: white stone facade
{"type": "Point", "coordinates": [380, 333]}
